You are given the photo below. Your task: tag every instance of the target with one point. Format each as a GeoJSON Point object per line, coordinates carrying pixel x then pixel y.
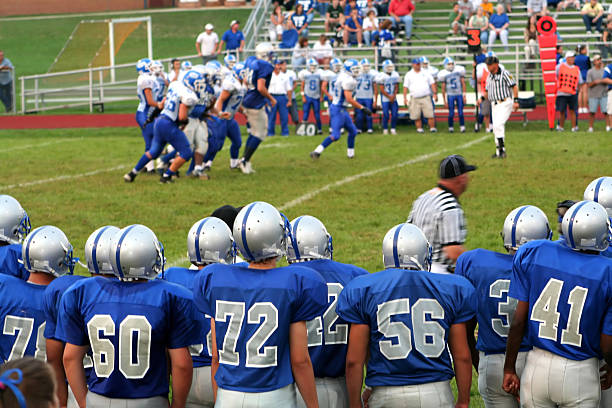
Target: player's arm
{"type": "Point", "coordinates": [183, 113]}
{"type": "Point", "coordinates": [348, 95]}
{"type": "Point", "coordinates": [375, 88]}
{"type": "Point", "coordinates": [220, 46]}
{"type": "Point", "coordinates": [263, 90]}
{"type": "Point", "coordinates": [324, 88]}
{"type": "Point", "coordinates": [75, 372]}
{"type": "Point", "coordinates": [511, 382]}
{"type": "Point", "coordinates": [55, 353]}
{"type": "Point", "coordinates": [463, 89]}
{"type": "Point", "coordinates": [395, 92]}
{"type": "Point", "coordinates": [434, 90]}
{"type": "Point", "coordinates": [181, 367]}
{"type": "Point", "coordinates": [225, 95]}
{"type": "Point", "coordinates": [606, 370]}
{"type": "Point", "coordinates": [150, 100]}
{"type": "Point", "coordinates": [382, 91]}
{"type": "Point", "coordinates": [214, 362]}
{"type": "Point", "coordinates": [471, 329]}
{"type": "Point", "coordinates": [515, 96]}
{"type": "Point", "coordinates": [359, 338]}
{"type": "Point", "coordinates": [198, 49]}
{"type": "Point", "coordinates": [302, 89]}
{"type": "Point", "coordinates": [444, 94]}
{"type": "Point", "coordinates": [457, 341]}
{"type": "Point", "coordinates": [301, 366]}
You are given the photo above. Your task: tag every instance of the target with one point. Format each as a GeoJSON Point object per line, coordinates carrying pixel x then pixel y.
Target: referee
{"type": "Point", "coordinates": [502, 91]}
{"type": "Point", "coordinates": [439, 215]}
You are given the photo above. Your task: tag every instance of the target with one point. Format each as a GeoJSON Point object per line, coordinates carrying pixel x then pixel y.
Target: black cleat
{"type": "Point", "coordinates": [129, 177]}
{"type": "Point", "coordinates": [166, 179]}
{"type": "Point", "coordinates": [315, 155]}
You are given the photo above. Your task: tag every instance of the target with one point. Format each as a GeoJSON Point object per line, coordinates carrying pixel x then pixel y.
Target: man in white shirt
{"type": "Point", "coordinates": [421, 86]}
{"type": "Point", "coordinates": [322, 50]}
{"type": "Point", "coordinates": [281, 89]}
{"type": "Point", "coordinates": [206, 44]}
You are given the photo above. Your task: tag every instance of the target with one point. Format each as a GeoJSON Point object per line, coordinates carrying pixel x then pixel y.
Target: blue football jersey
{"type": "Point", "coordinates": [608, 252]}
{"type": "Point", "coordinates": [253, 71]}
{"type": "Point", "coordinates": [569, 295]}
{"type": "Point", "coordinates": [10, 255]}
{"type": "Point", "coordinates": [490, 273]}
{"type": "Point", "coordinates": [148, 317]}
{"type": "Point", "coordinates": [327, 333]}
{"type": "Point", "coordinates": [51, 301]}
{"type": "Point", "coordinates": [204, 103]}
{"type": "Point", "coordinates": [200, 353]}
{"type": "Point", "coordinates": [409, 314]}
{"type": "Point", "coordinates": [22, 319]}
{"type": "Point", "coordinates": [252, 320]}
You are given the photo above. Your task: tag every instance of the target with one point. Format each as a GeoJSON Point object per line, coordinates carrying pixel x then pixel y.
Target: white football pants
{"type": "Point", "coordinates": [331, 393]}
{"type": "Point", "coordinates": [491, 377]}
{"type": "Point", "coordinates": [606, 396]}
{"type": "Point", "coordinates": [100, 401]}
{"type": "Point", "coordinates": [196, 132]}
{"type": "Point", "coordinates": [430, 395]}
{"type": "Point", "coordinates": [201, 392]}
{"type": "Point", "coordinates": [501, 113]}
{"type": "Point", "coordinates": [281, 398]}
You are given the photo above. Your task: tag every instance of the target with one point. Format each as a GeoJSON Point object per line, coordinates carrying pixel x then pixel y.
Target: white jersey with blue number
{"type": "Point", "coordinates": [452, 79]}
{"type": "Point", "coordinates": [389, 81]}
{"type": "Point", "coordinates": [145, 81]}
{"type": "Point", "coordinates": [312, 82]}
{"type": "Point", "coordinates": [431, 70]}
{"type": "Point", "coordinates": [344, 82]}
{"type": "Point", "coordinates": [330, 77]}
{"type": "Point", "coordinates": [236, 90]}
{"type": "Point", "coordinates": [177, 94]}
{"type": "Point", "coordinates": [365, 85]}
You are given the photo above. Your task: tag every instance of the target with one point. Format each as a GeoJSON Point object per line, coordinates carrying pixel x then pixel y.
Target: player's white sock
{"type": "Point", "coordinates": [150, 166]}
{"type": "Point", "coordinates": [350, 152]}
{"type": "Point", "coordinates": [198, 167]}
{"type": "Point", "coordinates": [319, 149]}
{"type": "Point", "coordinates": [208, 163]}
{"type": "Point", "coordinates": [234, 162]}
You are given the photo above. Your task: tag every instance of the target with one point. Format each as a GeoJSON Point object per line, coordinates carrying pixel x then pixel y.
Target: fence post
{"type": "Point", "coordinates": [36, 93]}
{"type": "Point", "coordinates": [23, 100]}
{"type": "Point", "coordinates": [111, 45]}
{"type": "Point", "coordinates": [101, 85]}
{"type": "Point", "coordinates": [376, 58]}
{"type": "Point", "coordinates": [90, 90]}
{"type": "Point", "coordinates": [516, 59]}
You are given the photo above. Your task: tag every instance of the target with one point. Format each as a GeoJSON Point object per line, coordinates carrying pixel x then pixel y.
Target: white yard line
{"type": "Point", "coordinates": [64, 177]}
{"type": "Point", "coordinates": [36, 145]}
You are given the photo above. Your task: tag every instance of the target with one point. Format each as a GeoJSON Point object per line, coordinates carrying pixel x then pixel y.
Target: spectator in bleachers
{"type": "Point", "coordinates": [353, 33]}
{"type": "Point", "coordinates": [299, 21]}
{"type": "Point", "coordinates": [382, 6]}
{"type": "Point", "coordinates": [6, 82]}
{"type": "Point", "coordinates": [366, 10]}
{"type": "Point", "coordinates": [606, 39]}
{"type": "Point", "coordinates": [322, 50]}
{"type": "Point", "coordinates": [334, 17]}
{"type": "Point", "coordinates": [370, 26]}
{"type": "Point", "coordinates": [583, 62]}
{"type": "Point", "coordinates": [564, 4]}
{"type": "Point", "coordinates": [536, 7]}
{"type": "Point", "coordinates": [350, 5]}
{"type": "Point", "coordinates": [592, 15]}
{"type": "Point", "coordinates": [487, 7]}
{"type": "Point", "coordinates": [232, 38]}
{"type": "Point", "coordinates": [309, 8]}
{"type": "Point", "coordinates": [467, 9]}
{"type": "Point", "coordinates": [384, 39]}
{"type": "Point", "coordinates": [456, 20]}
{"type": "Point", "coordinates": [498, 26]}
{"type": "Point", "coordinates": [289, 39]}
{"type": "Point", "coordinates": [401, 12]}
{"type": "Point", "coordinates": [559, 55]}
{"type": "Point", "coordinates": [531, 38]}
{"type": "Point", "coordinates": [322, 6]}
{"type": "Point", "coordinates": [277, 19]}
{"type": "Point", "coordinates": [206, 44]}
{"type": "Point", "coordinates": [480, 21]}
{"type": "Point", "coordinates": [598, 90]}
{"type": "Point", "coordinates": [301, 53]}
{"type": "Point", "coordinates": [507, 5]}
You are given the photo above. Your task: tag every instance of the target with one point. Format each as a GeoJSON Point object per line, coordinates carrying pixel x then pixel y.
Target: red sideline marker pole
{"type": "Point", "coordinates": [547, 40]}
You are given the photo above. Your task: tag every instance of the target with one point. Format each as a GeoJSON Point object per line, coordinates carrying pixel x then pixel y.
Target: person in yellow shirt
{"type": "Point", "coordinates": [487, 7]}
{"type": "Point", "coordinates": [592, 15]}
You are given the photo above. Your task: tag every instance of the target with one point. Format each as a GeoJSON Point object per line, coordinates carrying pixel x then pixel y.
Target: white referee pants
{"type": "Point", "coordinates": [201, 392]}
{"type": "Point", "coordinates": [282, 398]}
{"type": "Point", "coordinates": [430, 395]}
{"type": "Point", "coordinates": [331, 393]}
{"type": "Point", "coordinates": [501, 113]}
{"type": "Point", "coordinates": [606, 396]}
{"type": "Point", "coordinates": [491, 377]}
{"type": "Point", "coordinates": [551, 381]}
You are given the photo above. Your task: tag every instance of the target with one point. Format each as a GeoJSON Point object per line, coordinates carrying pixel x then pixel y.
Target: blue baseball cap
{"type": "Point", "coordinates": [416, 60]}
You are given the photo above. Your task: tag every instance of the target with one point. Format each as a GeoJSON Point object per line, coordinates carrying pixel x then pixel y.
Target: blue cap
{"type": "Point", "coordinates": [416, 60]}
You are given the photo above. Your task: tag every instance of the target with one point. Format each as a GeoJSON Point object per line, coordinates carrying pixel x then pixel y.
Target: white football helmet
{"type": "Point", "coordinates": [524, 224]}
{"type": "Point", "coordinates": [210, 241]}
{"type": "Point", "coordinates": [586, 226]}
{"type": "Point", "coordinates": [309, 240]}
{"type": "Point", "coordinates": [365, 65]}
{"type": "Point", "coordinates": [449, 64]}
{"type": "Point", "coordinates": [351, 66]}
{"type": "Point", "coordinates": [157, 67]}
{"type": "Point", "coordinates": [48, 250]}
{"type": "Point", "coordinates": [264, 51]}
{"type": "Point", "coordinates": [406, 247]}
{"type": "Point", "coordinates": [388, 66]}
{"type": "Point", "coordinates": [14, 221]}
{"type": "Point", "coordinates": [313, 65]}
{"type": "Point", "coordinates": [336, 65]}
{"type": "Point", "coordinates": [97, 249]}
{"type": "Point", "coordinates": [600, 191]}
{"type": "Point", "coordinates": [260, 232]}
{"type": "Point", "coordinates": [136, 253]}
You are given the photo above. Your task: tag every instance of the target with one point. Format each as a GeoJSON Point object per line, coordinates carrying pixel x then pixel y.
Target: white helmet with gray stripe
{"type": "Point", "coordinates": [406, 247]}
{"type": "Point", "coordinates": [600, 191]}
{"type": "Point", "coordinates": [47, 249]}
{"type": "Point", "coordinates": [586, 226]}
{"type": "Point", "coordinates": [210, 241]}
{"type": "Point", "coordinates": [97, 250]}
{"type": "Point", "coordinates": [260, 232]}
{"type": "Point", "coordinates": [136, 253]}
{"type": "Point", "coordinates": [310, 240]}
{"type": "Point", "coordinates": [524, 224]}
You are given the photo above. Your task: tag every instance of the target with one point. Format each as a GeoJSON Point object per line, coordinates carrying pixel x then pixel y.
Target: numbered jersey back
{"type": "Point", "coordinates": [145, 81]}
{"type": "Point", "coordinates": [252, 320]}
{"type": "Point", "coordinates": [236, 90]}
{"type": "Point", "coordinates": [328, 334]}
{"type": "Point", "coordinates": [129, 326]}
{"type": "Point", "coordinates": [22, 319]}
{"type": "Point", "coordinates": [409, 314]}
{"type": "Point", "coordinates": [254, 70]}
{"type": "Point", "coordinates": [490, 273]}
{"type": "Point", "coordinates": [177, 94]}
{"type": "Point", "coordinates": [569, 297]}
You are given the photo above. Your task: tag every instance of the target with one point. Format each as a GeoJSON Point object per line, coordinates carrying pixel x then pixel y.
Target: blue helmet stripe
{"type": "Point", "coordinates": [597, 187]}
{"type": "Point", "coordinates": [197, 240]}
{"type": "Point", "coordinates": [571, 224]}
{"type": "Point", "coordinates": [395, 238]}
{"type": "Point", "coordinates": [293, 241]}
{"type": "Point", "coordinates": [94, 258]}
{"type": "Point", "coordinates": [27, 250]}
{"type": "Point", "coordinates": [516, 218]}
{"type": "Point", "coordinates": [118, 250]}
{"type": "Point", "coordinates": [243, 233]}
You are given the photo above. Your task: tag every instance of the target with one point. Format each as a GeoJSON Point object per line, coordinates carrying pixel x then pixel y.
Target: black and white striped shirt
{"type": "Point", "coordinates": [499, 86]}
{"type": "Point", "coordinates": [440, 216]}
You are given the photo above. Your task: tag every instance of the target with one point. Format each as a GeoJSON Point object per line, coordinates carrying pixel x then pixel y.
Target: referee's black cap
{"type": "Point", "coordinates": [227, 213]}
{"type": "Point", "coordinates": [491, 60]}
{"type": "Point", "coordinates": [453, 166]}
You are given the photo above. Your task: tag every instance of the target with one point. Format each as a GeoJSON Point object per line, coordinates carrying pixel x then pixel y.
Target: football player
{"type": "Point", "coordinates": [366, 94]}
{"type": "Point", "coordinates": [564, 294]}
{"type": "Point", "coordinates": [157, 68]}
{"type": "Point", "coordinates": [452, 78]}
{"type": "Point", "coordinates": [339, 118]}
{"type": "Point", "coordinates": [490, 273]}
{"type": "Point", "coordinates": [47, 254]}
{"type": "Point", "coordinates": [209, 241]}
{"type": "Point", "coordinates": [229, 60]}
{"type": "Point", "coordinates": [134, 325]}
{"type": "Point", "coordinates": [147, 103]}
{"type": "Point", "coordinates": [14, 226]}
{"type": "Point", "coordinates": [186, 66]}
{"type": "Point", "coordinates": [311, 246]}
{"type": "Point", "coordinates": [257, 76]}
{"type": "Point", "coordinates": [96, 255]}
{"type": "Point", "coordinates": [406, 320]}
{"type": "Point", "coordinates": [311, 91]}
{"type": "Point", "coordinates": [168, 126]}
{"type": "Point", "coordinates": [600, 191]}
{"type": "Point", "coordinates": [259, 335]}
{"type": "Point", "coordinates": [329, 79]}
{"type": "Point", "coordinates": [388, 81]}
